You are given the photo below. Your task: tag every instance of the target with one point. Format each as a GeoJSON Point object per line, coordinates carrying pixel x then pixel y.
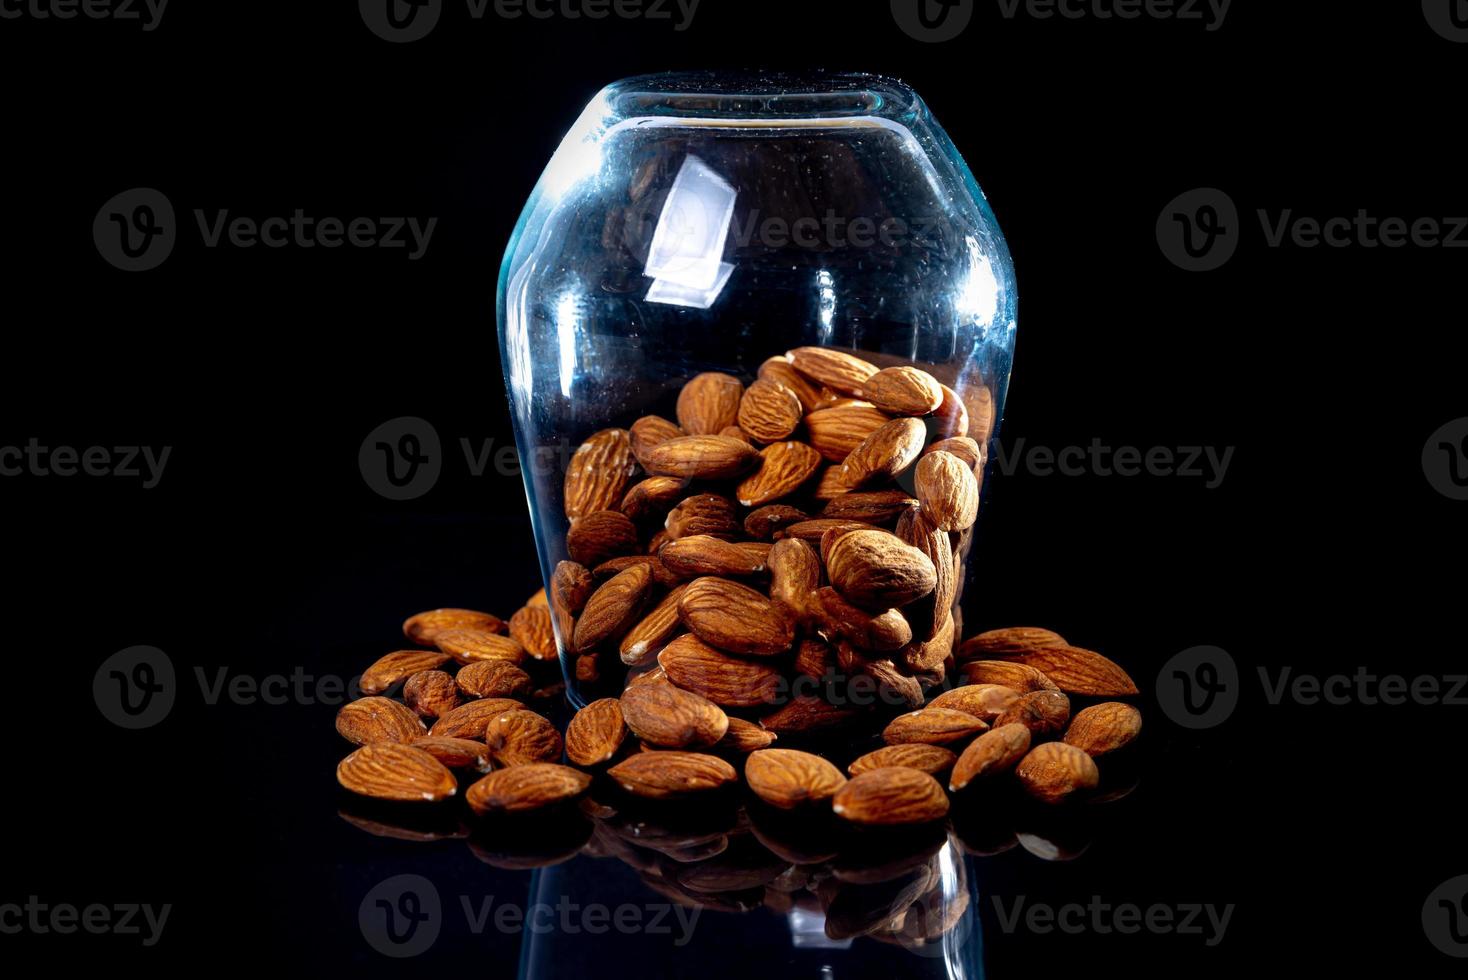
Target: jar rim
{"type": "Point", "coordinates": [746, 94]}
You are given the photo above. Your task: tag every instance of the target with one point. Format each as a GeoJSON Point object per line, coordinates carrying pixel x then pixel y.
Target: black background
{"type": "Point", "coordinates": [263, 551]}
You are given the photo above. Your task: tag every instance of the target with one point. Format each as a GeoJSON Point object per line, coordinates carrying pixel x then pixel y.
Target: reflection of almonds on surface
{"type": "Point", "coordinates": [469, 645]}
{"type": "Point", "coordinates": [493, 679]}
{"type": "Point", "coordinates": [1104, 728]}
{"type": "Point", "coordinates": [734, 618]}
{"type": "Point", "coordinates": [786, 778]}
{"type": "Point", "coordinates": [431, 693]}
{"type": "Point", "coordinates": [931, 759]}
{"type": "Point", "coordinates": [933, 726]}
{"type": "Point", "coordinates": [596, 733]}
{"type": "Point", "coordinates": [393, 667]}
{"type": "Point", "coordinates": [599, 473]}
{"type": "Point", "coordinates": [660, 775]}
{"type": "Point", "coordinates": [423, 627]}
{"type": "Point", "coordinates": [891, 796]}
{"type": "Point", "coordinates": [378, 719]}
{"type": "Point", "coordinates": [784, 468]}
{"type": "Point", "coordinates": [668, 717]}
{"type": "Point", "coordinates": [388, 771]}
{"type": "Point", "coordinates": [518, 738]}
{"type": "Point", "coordinates": [709, 402]}
{"type": "Point", "coordinates": [1055, 771]}
{"type": "Point", "coordinates": [523, 788]}
{"type": "Point", "coordinates": [470, 719]}
{"type": "Point", "coordinates": [994, 751]}
{"type": "Point", "coordinates": [456, 753]}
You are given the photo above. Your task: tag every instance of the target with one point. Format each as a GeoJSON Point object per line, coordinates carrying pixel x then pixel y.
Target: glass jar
{"type": "Point", "coordinates": [697, 223]}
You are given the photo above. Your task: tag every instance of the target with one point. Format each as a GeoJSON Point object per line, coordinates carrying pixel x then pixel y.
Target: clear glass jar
{"type": "Point", "coordinates": [695, 223]}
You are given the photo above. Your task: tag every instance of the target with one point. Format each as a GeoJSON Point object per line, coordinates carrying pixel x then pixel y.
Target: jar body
{"type": "Point", "coordinates": [695, 223]}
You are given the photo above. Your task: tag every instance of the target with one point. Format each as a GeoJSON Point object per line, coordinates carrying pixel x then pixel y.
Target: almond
{"type": "Point", "coordinates": [931, 759]}
{"type": "Point", "coordinates": [469, 645]}
{"type": "Point", "coordinates": [599, 473]}
{"type": "Point", "coordinates": [664, 775]}
{"type": "Point", "coordinates": [1104, 728]}
{"type": "Point", "coordinates": [645, 640]}
{"type": "Point", "coordinates": [493, 679]}
{"type": "Point", "coordinates": [763, 522]}
{"type": "Point", "coordinates": [885, 454]}
{"type": "Point", "coordinates": [734, 618]}
{"type": "Point", "coordinates": [525, 788]}
{"type": "Point", "coordinates": [786, 778]}
{"type": "Point", "coordinates": [393, 667]}
{"type": "Point", "coordinates": [651, 500]}
{"type": "Point", "coordinates": [995, 751]}
{"type": "Point", "coordinates": [813, 657]}
{"type": "Point", "coordinates": [784, 468]}
{"type": "Point", "coordinates": [614, 608]}
{"type": "Point", "coordinates": [806, 713]}
{"type": "Point", "coordinates": [734, 432]}
{"type": "Point", "coordinates": [431, 693]}
{"type": "Point", "coordinates": [875, 570]}
{"type": "Point", "coordinates": [812, 396]}
{"type": "Point", "coordinates": [600, 535]}
{"type": "Point", "coordinates": [882, 632]}
{"type": "Point", "coordinates": [795, 575]}
{"type": "Point", "coordinates": [695, 666]}
{"type": "Point", "coordinates": [388, 771]}
{"type": "Point", "coordinates": [961, 446]}
{"type": "Point", "coordinates": [669, 717]}
{"type": "Point", "coordinates": [903, 390]}
{"type": "Point", "coordinates": [930, 656]}
{"type": "Point", "coordinates": [531, 628]}
{"type": "Point", "coordinates": [702, 458]}
{"type": "Point", "coordinates": [709, 402]}
{"type": "Point", "coordinates": [518, 738]}
{"type": "Point", "coordinates": [571, 585]}
{"type": "Point", "coordinates": [836, 432]}
{"type": "Point", "coordinates": [424, 627]}
{"type": "Point", "coordinates": [744, 737]}
{"type": "Point", "coordinates": [1055, 771]}
{"type": "Point", "coordinates": [932, 726]}
{"type": "Point", "coordinates": [1042, 712]}
{"type": "Point", "coordinates": [1010, 642]}
{"type": "Point", "coordinates": [841, 372]}
{"type": "Point", "coordinates": [817, 528]}
{"type": "Point", "coordinates": [895, 687]}
{"type": "Point", "coordinates": [769, 411]}
{"type": "Point", "coordinates": [979, 401]}
{"type": "Point", "coordinates": [1078, 671]}
{"type": "Point", "coordinates": [596, 733]}
{"type": "Point", "coordinates": [986, 701]}
{"type": "Point", "coordinates": [1022, 678]}
{"type": "Point", "coordinates": [704, 555]}
{"type": "Point", "coordinates": [880, 507]}
{"type": "Point", "coordinates": [928, 615]}
{"type": "Point", "coordinates": [951, 418]}
{"type": "Point", "coordinates": [649, 432]}
{"type": "Point", "coordinates": [378, 719]}
{"type": "Point", "coordinates": [947, 491]}
{"type": "Point", "coordinates": [891, 796]}
{"type": "Point", "coordinates": [456, 753]}
{"type": "Point", "coordinates": [704, 513]}
{"type": "Point", "coordinates": [470, 720]}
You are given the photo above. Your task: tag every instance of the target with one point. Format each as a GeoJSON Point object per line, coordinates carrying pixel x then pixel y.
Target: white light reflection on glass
{"type": "Point", "coordinates": [978, 297]}
{"type": "Point", "coordinates": [568, 320]}
{"type": "Point", "coordinates": [826, 285]}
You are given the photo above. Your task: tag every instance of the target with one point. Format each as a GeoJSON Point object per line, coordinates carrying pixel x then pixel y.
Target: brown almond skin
{"type": "Point", "coordinates": [704, 513]}
{"type": "Point", "coordinates": [650, 500]}
{"type": "Point", "coordinates": [423, 627]}
{"type": "Point", "coordinates": [787, 778]}
{"type": "Point", "coordinates": [671, 774]}
{"type": "Point", "coordinates": [703, 555]}
{"type": "Point", "coordinates": [961, 446]}
{"type": "Point", "coordinates": [571, 585]}
{"type": "Point", "coordinates": [932, 726]}
{"type": "Point", "coordinates": [951, 418]}
{"type": "Point", "coordinates": [807, 713]}
{"type": "Point", "coordinates": [599, 473]}
{"type": "Point", "coordinates": [947, 491]}
{"type": "Point", "coordinates": [469, 645]}
{"type": "Point", "coordinates": [931, 759]}
{"type": "Point", "coordinates": [654, 631]}
{"type": "Point", "coordinates": [1104, 728]}
{"type": "Point", "coordinates": [531, 628]}
{"type": "Point", "coordinates": [668, 717]}
{"type": "Point", "coordinates": [883, 632]}
{"type": "Point", "coordinates": [889, 797]}
{"type": "Point", "coordinates": [651, 431]}
{"type": "Point", "coordinates": [431, 693]}
{"type": "Point", "coordinates": [709, 402]}
{"type": "Point", "coordinates": [813, 657]}
{"type": "Point", "coordinates": [734, 618]}
{"type": "Point", "coordinates": [928, 614]}
{"type": "Point", "coordinates": [986, 701]}
{"type": "Point", "coordinates": [812, 396]}
{"type": "Point", "coordinates": [1011, 641]}
{"type": "Point", "coordinates": [903, 390]}
{"type": "Point", "coordinates": [702, 458]}
{"type": "Point", "coordinates": [795, 575]}
{"type": "Point", "coordinates": [522, 789]}
{"type": "Point", "coordinates": [1018, 676]}
{"type": "Point", "coordinates": [875, 570]}
{"type": "Point", "coordinates": [397, 666]}
{"type": "Point", "coordinates": [997, 750]}
{"type": "Point", "coordinates": [469, 720]}
{"type": "Point", "coordinates": [1042, 712]}
{"type": "Point", "coordinates": [841, 372]}
{"type": "Point", "coordinates": [817, 529]}
{"type": "Point", "coordinates": [1079, 671]}
{"type": "Point", "coordinates": [885, 454]}
{"type": "Point", "coordinates": [764, 522]}
{"type": "Point", "coordinates": [770, 411]}
{"type": "Point", "coordinates": [378, 719]}
{"type": "Point", "coordinates": [596, 733]}
{"type": "Point", "coordinates": [879, 507]}
{"type": "Point", "coordinates": [783, 469]}
{"type": "Point", "coordinates": [730, 682]}
{"type": "Point", "coordinates": [1054, 772]}
{"type": "Point", "coordinates": [518, 738]}
{"type": "Point", "coordinates": [836, 432]}
{"type": "Point", "coordinates": [456, 753]}
{"type": "Point", "coordinates": [389, 771]}
{"type": "Point", "coordinates": [744, 737]}
{"type": "Point", "coordinates": [613, 609]}
{"type": "Point", "coordinates": [601, 535]}
{"type": "Point", "coordinates": [493, 679]}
